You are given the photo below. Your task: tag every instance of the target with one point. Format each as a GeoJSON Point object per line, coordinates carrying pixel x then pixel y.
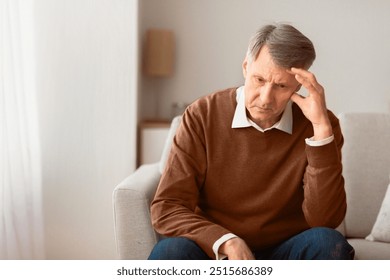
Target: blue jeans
{"type": "Point", "coordinates": [318, 243]}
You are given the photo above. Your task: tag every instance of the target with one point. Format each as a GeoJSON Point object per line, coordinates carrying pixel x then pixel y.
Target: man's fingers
{"type": "Point", "coordinates": [303, 73]}
{"type": "Point", "coordinates": [236, 249]}
{"type": "Point", "coordinates": [297, 98]}
{"type": "Point", "coordinates": [306, 78]}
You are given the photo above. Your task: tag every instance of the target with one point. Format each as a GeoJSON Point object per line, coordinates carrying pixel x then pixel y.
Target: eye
{"type": "Point", "coordinates": [281, 85]}
{"type": "Point", "coordinates": [260, 80]}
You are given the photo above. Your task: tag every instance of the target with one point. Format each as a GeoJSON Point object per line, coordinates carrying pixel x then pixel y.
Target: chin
{"type": "Point", "coordinates": [260, 114]}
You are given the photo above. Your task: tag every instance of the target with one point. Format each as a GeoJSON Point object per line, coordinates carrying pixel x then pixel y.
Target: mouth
{"type": "Point", "coordinates": [262, 109]}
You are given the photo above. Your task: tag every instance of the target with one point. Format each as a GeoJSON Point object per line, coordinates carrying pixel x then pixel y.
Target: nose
{"type": "Point", "coordinates": [266, 95]}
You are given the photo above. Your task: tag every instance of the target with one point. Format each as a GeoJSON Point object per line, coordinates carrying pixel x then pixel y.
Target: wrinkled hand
{"type": "Point", "coordinates": [313, 106]}
{"type": "Point", "coordinates": [236, 249]}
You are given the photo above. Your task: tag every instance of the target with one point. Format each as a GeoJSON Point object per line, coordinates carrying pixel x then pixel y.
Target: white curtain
{"type": "Point", "coordinates": [21, 221]}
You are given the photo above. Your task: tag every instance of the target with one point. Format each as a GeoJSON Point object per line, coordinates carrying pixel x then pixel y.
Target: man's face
{"type": "Point", "coordinates": [268, 89]}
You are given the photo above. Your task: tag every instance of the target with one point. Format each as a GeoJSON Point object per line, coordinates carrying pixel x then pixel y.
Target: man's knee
{"type": "Point", "coordinates": [330, 244]}
{"type": "Point", "coordinates": [177, 248]}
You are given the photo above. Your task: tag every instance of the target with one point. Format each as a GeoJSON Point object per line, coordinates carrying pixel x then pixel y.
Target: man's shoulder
{"type": "Point", "coordinates": [224, 94]}
{"type": "Point", "coordinates": [220, 97]}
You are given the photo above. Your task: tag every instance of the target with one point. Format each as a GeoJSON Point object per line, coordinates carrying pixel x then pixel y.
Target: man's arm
{"type": "Point", "coordinates": [175, 210]}
{"type": "Point", "coordinates": [325, 199]}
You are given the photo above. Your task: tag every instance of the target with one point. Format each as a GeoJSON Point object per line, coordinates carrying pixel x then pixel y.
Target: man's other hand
{"type": "Point", "coordinates": [236, 249]}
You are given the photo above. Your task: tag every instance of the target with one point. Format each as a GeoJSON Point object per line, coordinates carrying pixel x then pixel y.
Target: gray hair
{"type": "Point", "coordinates": [287, 46]}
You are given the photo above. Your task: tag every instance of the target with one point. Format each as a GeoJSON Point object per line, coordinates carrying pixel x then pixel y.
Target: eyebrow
{"type": "Point", "coordinates": [282, 82]}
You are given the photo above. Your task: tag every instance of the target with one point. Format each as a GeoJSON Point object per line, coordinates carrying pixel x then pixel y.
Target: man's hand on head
{"type": "Point", "coordinates": [313, 106]}
{"type": "Point", "coordinates": [236, 249]}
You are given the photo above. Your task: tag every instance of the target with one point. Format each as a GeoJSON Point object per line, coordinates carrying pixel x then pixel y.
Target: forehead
{"type": "Point", "coordinates": [265, 67]}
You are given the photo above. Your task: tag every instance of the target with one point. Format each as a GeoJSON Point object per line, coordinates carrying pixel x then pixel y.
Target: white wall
{"type": "Point", "coordinates": [351, 38]}
{"type": "Point", "coordinates": [87, 84]}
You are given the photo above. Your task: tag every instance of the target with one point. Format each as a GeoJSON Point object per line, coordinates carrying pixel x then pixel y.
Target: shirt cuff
{"type": "Point", "coordinates": [318, 143]}
{"type": "Point", "coordinates": [219, 242]}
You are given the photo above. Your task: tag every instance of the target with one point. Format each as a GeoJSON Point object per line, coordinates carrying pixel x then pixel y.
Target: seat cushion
{"type": "Point", "coordinates": [370, 250]}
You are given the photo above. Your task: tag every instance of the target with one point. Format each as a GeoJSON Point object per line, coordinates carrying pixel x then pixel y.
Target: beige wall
{"type": "Point", "coordinates": [351, 38]}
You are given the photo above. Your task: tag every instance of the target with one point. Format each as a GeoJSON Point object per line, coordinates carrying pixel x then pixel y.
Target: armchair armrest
{"type": "Point", "coordinates": [134, 234]}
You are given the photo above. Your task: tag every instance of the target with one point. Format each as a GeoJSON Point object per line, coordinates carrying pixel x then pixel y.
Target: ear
{"type": "Point", "coordinates": [245, 67]}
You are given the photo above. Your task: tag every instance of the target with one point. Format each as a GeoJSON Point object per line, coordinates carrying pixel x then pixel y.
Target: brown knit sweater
{"type": "Point", "coordinates": [263, 187]}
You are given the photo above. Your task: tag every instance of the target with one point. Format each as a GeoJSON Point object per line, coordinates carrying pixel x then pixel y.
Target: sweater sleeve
{"type": "Point", "coordinates": [324, 195]}
{"type": "Point", "coordinates": [175, 210]}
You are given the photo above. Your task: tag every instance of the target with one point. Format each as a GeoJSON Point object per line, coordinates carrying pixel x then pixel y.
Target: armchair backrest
{"type": "Point", "coordinates": [366, 167]}
{"type": "Point", "coordinates": [168, 142]}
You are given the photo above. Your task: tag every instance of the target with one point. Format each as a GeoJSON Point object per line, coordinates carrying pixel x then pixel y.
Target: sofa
{"type": "Point", "coordinates": [366, 168]}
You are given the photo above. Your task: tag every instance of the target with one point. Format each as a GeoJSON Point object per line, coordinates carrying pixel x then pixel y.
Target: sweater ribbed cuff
{"type": "Point", "coordinates": [323, 156]}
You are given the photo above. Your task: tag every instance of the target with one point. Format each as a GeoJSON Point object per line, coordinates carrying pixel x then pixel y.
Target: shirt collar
{"type": "Point", "coordinates": [240, 119]}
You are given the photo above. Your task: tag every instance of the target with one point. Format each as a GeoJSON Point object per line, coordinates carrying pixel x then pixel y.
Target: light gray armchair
{"type": "Point", "coordinates": [366, 170]}
{"type": "Point", "coordinates": [134, 234]}
{"type": "Point", "coordinates": [366, 160]}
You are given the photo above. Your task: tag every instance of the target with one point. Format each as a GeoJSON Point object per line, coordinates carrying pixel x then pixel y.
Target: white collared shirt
{"type": "Point", "coordinates": [241, 120]}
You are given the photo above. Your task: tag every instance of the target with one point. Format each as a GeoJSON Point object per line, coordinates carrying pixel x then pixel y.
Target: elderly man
{"type": "Point", "coordinates": [255, 172]}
